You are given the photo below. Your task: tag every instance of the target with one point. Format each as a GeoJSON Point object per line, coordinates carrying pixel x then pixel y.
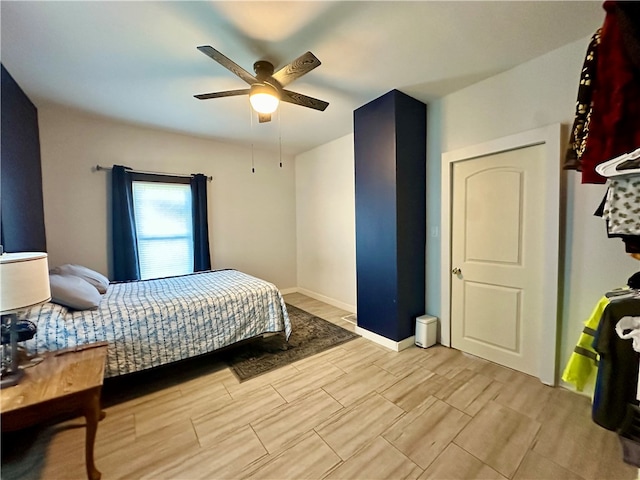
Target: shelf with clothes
{"type": "Point", "coordinates": [626, 420]}
{"type": "Point", "coordinates": [582, 366]}
{"type": "Point", "coordinates": [608, 350]}
{"type": "Point", "coordinates": [617, 376]}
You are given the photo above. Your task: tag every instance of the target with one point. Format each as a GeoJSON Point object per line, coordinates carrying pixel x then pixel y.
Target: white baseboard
{"type": "Point", "coordinates": [374, 337]}
{"type": "Point", "coordinates": [325, 299]}
{"type": "Point", "coordinates": [406, 343]}
{"type": "Point", "coordinates": [285, 291]}
{"type": "Point", "coordinates": [386, 342]}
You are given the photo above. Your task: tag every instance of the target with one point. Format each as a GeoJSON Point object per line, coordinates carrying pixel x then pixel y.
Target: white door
{"type": "Point", "coordinates": [497, 257]}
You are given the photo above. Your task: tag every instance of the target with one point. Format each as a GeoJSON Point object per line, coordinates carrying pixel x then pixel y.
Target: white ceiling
{"type": "Point", "coordinates": [137, 61]}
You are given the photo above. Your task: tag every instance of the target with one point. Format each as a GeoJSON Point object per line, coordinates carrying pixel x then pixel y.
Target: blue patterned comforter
{"type": "Point", "coordinates": [153, 322]}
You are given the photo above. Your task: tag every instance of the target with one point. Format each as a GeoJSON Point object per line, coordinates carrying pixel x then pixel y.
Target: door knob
{"type": "Point", "coordinates": [456, 271]}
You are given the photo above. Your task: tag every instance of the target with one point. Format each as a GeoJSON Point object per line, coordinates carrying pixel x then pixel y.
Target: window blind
{"type": "Point", "coordinates": [164, 228]}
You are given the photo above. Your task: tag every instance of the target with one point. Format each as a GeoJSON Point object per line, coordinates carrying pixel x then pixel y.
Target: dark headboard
{"type": "Point", "coordinates": [21, 206]}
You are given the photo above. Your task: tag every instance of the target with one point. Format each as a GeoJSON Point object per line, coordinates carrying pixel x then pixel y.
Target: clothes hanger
{"type": "Point", "coordinates": [631, 289]}
{"type": "Point", "coordinates": [625, 164]}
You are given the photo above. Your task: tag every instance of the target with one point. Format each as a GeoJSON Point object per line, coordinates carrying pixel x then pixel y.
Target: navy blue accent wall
{"type": "Point", "coordinates": [21, 209]}
{"type": "Point", "coordinates": [390, 189]}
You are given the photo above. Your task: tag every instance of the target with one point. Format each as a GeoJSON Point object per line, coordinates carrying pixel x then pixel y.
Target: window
{"type": "Point", "coordinates": [164, 226]}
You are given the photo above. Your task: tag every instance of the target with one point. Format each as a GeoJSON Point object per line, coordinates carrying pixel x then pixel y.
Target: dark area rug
{"type": "Point", "coordinates": [310, 335]}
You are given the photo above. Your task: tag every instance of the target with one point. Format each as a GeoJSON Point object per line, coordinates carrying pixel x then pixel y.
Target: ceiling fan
{"type": "Point", "coordinates": [267, 88]}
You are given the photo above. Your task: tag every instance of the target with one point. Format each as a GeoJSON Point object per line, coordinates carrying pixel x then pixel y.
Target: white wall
{"type": "Point", "coordinates": [434, 151]}
{"type": "Point", "coordinates": [325, 218]}
{"type": "Point", "coordinates": [251, 216]}
{"type": "Point", "coordinates": [538, 93]}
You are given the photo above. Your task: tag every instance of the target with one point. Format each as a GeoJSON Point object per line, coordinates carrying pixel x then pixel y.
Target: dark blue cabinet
{"type": "Point", "coordinates": [390, 189]}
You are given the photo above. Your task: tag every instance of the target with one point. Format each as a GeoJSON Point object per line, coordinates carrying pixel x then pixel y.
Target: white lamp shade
{"type": "Point", "coordinates": [264, 98]}
{"type": "Point", "coordinates": [24, 280]}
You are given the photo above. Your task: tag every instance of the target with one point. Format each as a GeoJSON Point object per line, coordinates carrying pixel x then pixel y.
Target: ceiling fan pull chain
{"type": "Point", "coordinates": [280, 135]}
{"type": "Point", "coordinates": [253, 168]}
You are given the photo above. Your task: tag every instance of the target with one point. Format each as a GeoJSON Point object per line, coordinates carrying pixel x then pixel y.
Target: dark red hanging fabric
{"type": "Point", "coordinates": [614, 123]}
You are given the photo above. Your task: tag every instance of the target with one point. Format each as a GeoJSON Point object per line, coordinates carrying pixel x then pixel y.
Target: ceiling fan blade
{"type": "Point", "coordinates": [301, 65]}
{"type": "Point", "coordinates": [228, 64]}
{"type": "Point", "coordinates": [264, 117]}
{"type": "Point", "coordinates": [227, 93]}
{"type": "Point", "coordinates": [303, 100]}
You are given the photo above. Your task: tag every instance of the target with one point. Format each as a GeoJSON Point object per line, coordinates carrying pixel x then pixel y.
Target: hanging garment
{"type": "Point", "coordinates": [634, 281]}
{"type": "Point", "coordinates": [622, 205]}
{"type": "Point", "coordinates": [583, 362]}
{"type": "Point", "coordinates": [614, 120]}
{"type": "Point", "coordinates": [629, 435]}
{"type": "Point", "coordinates": [631, 242]}
{"type": "Point", "coordinates": [617, 378]}
{"type": "Point", "coordinates": [628, 328]}
{"type": "Point", "coordinates": [629, 431]}
{"type": "Point", "coordinates": [628, 14]}
{"type": "Point", "coordinates": [580, 128]}
{"type": "Point", "coordinates": [632, 245]}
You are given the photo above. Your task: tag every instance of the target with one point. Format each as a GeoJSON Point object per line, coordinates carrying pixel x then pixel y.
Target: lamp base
{"type": "Point", "coordinates": [10, 374]}
{"type": "Point", "coordinates": [11, 379]}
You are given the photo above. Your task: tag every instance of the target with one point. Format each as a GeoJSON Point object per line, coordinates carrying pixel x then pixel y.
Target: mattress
{"type": "Point", "coordinates": [148, 323]}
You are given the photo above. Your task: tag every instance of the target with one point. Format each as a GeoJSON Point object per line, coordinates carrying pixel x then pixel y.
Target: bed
{"type": "Point", "coordinates": [148, 323]}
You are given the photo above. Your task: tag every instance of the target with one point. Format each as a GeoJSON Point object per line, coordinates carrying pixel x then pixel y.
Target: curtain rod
{"type": "Point", "coordinates": [101, 168]}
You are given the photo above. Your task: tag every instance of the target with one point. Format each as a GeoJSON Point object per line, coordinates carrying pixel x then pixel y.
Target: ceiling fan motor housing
{"type": "Point", "coordinates": [263, 69]}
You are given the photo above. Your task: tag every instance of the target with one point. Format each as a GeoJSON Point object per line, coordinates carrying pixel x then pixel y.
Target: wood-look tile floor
{"type": "Point", "coordinates": [357, 411]}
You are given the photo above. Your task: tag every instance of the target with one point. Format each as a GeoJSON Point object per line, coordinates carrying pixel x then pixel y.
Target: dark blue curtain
{"type": "Point", "coordinates": [124, 239]}
{"type": "Point", "coordinates": [201, 255]}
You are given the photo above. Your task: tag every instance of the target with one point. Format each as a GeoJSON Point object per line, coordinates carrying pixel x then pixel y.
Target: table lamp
{"type": "Point", "coordinates": [24, 282]}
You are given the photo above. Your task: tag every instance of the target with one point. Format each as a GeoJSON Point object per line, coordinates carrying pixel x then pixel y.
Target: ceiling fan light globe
{"type": "Point", "coordinates": [264, 98]}
{"type": "Point", "coordinates": [264, 102]}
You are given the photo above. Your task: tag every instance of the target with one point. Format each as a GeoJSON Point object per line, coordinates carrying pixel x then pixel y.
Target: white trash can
{"type": "Point", "coordinates": [426, 331]}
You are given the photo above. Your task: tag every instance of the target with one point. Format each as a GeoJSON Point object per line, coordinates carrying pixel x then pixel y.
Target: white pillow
{"type": "Point", "coordinates": [73, 292]}
{"type": "Point", "coordinates": [94, 278]}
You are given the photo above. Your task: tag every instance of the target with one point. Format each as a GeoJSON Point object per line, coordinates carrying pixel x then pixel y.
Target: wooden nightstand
{"type": "Point", "coordinates": [66, 381]}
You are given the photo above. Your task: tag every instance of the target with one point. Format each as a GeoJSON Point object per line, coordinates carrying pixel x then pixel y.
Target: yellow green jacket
{"type": "Point", "coordinates": [583, 362]}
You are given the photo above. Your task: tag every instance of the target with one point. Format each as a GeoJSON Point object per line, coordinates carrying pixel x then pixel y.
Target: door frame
{"type": "Point", "coordinates": [550, 137]}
